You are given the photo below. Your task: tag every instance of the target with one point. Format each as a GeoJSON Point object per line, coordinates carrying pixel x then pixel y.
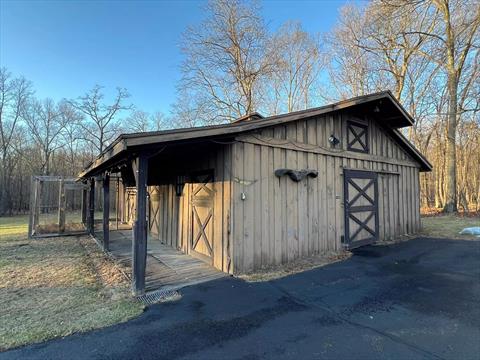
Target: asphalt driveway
{"type": "Point", "coordinates": [414, 300]}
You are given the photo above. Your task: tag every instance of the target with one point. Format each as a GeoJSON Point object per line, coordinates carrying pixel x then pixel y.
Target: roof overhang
{"type": "Point", "coordinates": [382, 104]}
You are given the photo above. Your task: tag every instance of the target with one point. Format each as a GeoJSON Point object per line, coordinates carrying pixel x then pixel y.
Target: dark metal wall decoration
{"type": "Point", "coordinates": [296, 175]}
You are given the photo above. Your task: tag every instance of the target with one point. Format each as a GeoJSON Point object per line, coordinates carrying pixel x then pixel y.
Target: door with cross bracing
{"type": "Point", "coordinates": [202, 200]}
{"type": "Point", "coordinates": [361, 208]}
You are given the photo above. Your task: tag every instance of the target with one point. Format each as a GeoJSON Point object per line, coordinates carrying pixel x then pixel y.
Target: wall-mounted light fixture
{"type": "Point", "coordinates": [333, 140]}
{"type": "Point", "coordinates": [179, 184]}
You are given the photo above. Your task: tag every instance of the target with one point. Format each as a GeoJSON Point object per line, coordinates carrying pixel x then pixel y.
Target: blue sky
{"type": "Point", "coordinates": [66, 47]}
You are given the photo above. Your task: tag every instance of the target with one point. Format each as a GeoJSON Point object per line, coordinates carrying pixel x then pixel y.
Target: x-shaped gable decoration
{"type": "Point", "coordinates": [357, 137]}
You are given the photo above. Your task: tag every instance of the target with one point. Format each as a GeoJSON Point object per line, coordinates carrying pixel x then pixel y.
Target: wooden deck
{"type": "Point", "coordinates": [167, 268]}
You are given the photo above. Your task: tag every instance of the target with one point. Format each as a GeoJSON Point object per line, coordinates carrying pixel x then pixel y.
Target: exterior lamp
{"type": "Point", "coordinates": [179, 184]}
{"type": "Point", "coordinates": [333, 140]}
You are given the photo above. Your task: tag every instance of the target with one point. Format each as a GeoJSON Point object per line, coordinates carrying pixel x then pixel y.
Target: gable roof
{"type": "Point", "coordinates": [382, 102]}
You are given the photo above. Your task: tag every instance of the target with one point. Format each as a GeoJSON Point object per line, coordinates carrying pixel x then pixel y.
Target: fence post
{"type": "Point", "coordinates": [61, 206]}
{"type": "Point", "coordinates": [32, 206]}
{"type": "Point", "coordinates": [38, 200]}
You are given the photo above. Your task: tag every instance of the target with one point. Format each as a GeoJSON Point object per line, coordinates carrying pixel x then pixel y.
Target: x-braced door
{"type": "Point", "coordinates": [361, 208]}
{"type": "Point", "coordinates": [201, 242]}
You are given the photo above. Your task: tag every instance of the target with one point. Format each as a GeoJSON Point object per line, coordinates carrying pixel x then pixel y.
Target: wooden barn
{"type": "Point", "coordinates": [265, 191]}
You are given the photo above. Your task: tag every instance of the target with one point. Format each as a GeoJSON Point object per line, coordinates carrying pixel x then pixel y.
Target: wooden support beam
{"type": "Point", "coordinates": [91, 204]}
{"type": "Point", "coordinates": [37, 201]}
{"type": "Point", "coordinates": [121, 201]}
{"type": "Point", "coordinates": [61, 206]}
{"type": "Point", "coordinates": [32, 207]}
{"type": "Point", "coordinates": [117, 200]}
{"type": "Point", "coordinates": [106, 212]}
{"type": "Point", "coordinates": [139, 245]}
{"type": "Point", "coordinates": [84, 206]}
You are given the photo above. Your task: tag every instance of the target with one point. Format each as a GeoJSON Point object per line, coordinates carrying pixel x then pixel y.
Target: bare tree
{"type": "Point", "coordinates": [191, 110]}
{"type": "Point", "coordinates": [376, 48]}
{"type": "Point", "coordinates": [455, 40]}
{"type": "Point", "coordinates": [14, 93]}
{"type": "Point", "coordinates": [141, 121]}
{"type": "Point", "coordinates": [226, 59]}
{"type": "Point", "coordinates": [353, 70]}
{"type": "Point", "coordinates": [46, 124]}
{"type": "Point", "coordinates": [72, 137]}
{"type": "Point", "coordinates": [100, 125]}
{"type": "Point", "coordinates": [294, 79]}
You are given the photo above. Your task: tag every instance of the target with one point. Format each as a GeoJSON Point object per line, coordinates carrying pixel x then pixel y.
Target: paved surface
{"type": "Point", "coordinates": [415, 300]}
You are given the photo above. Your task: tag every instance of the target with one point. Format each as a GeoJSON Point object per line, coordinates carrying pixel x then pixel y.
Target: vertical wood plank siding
{"type": "Point", "coordinates": [278, 220]}
{"type": "Point", "coordinates": [170, 215]}
{"type": "Point", "coordinates": [281, 220]}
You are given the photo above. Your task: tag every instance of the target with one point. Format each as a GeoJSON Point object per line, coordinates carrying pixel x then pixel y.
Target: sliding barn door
{"type": "Point", "coordinates": [202, 200]}
{"type": "Point", "coordinates": [361, 208]}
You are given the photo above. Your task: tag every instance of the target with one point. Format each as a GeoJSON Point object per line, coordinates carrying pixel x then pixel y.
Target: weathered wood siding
{"type": "Point", "coordinates": [171, 216]}
{"type": "Point", "coordinates": [280, 220]}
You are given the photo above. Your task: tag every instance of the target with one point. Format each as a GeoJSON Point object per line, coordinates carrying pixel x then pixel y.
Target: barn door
{"type": "Point", "coordinates": [202, 199]}
{"type": "Point", "coordinates": [361, 208]}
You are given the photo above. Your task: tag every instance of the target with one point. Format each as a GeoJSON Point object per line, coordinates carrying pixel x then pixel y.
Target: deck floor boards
{"type": "Point", "coordinates": [167, 268]}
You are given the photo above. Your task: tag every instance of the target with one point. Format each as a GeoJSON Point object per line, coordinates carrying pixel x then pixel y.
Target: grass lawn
{"type": "Point", "coordinates": [448, 226]}
{"type": "Point", "coordinates": [56, 286]}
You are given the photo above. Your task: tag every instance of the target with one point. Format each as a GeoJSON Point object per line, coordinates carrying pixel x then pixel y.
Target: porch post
{"type": "Point", "coordinates": [91, 204]}
{"type": "Point", "coordinates": [84, 205]}
{"type": "Point", "coordinates": [139, 245]}
{"type": "Point", "coordinates": [117, 201]}
{"type": "Point", "coordinates": [106, 211]}
{"type": "Point", "coordinates": [121, 193]}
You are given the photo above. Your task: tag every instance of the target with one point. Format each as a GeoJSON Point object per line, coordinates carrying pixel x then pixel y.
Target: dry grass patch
{"type": "Point", "coordinates": [448, 226]}
{"type": "Point", "coordinates": [57, 286]}
{"type": "Point", "coordinates": [297, 266]}
{"type": "Point", "coordinates": [13, 227]}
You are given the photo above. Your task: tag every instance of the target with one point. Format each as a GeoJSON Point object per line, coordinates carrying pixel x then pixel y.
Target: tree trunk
{"type": "Point", "coordinates": [4, 190]}
{"type": "Point", "coordinates": [438, 196]}
{"type": "Point", "coordinates": [451, 171]}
